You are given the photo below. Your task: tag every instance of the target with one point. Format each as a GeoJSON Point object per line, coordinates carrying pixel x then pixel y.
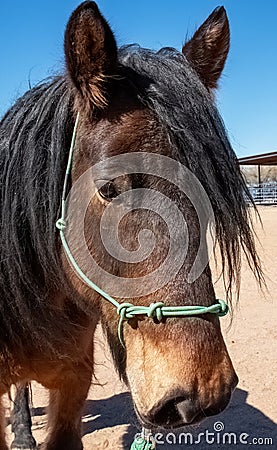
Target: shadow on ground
{"type": "Point", "coordinates": [241, 422]}
{"type": "Point", "coordinates": [236, 427]}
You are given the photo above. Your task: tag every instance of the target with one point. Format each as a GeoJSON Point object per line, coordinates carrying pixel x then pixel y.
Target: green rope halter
{"type": "Point", "coordinates": [126, 311]}
{"type": "Point", "coordinates": [144, 441]}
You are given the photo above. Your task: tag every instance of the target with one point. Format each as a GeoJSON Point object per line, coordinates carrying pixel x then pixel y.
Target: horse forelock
{"type": "Point", "coordinates": [168, 85]}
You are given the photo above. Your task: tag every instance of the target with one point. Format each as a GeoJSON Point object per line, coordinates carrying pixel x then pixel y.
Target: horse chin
{"type": "Point", "coordinates": [154, 426]}
{"type": "Point", "coordinates": [148, 424]}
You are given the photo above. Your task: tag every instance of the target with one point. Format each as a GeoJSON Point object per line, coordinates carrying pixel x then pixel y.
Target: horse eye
{"type": "Point", "coordinates": [109, 191]}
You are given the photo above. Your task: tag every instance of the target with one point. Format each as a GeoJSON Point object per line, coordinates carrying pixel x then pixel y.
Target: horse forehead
{"type": "Point", "coordinates": [131, 131]}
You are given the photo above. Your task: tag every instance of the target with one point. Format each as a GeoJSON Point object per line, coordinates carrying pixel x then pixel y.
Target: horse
{"type": "Point", "coordinates": [121, 123]}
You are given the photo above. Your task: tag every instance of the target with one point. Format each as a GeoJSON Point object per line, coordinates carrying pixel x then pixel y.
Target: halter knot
{"type": "Point", "coordinates": [224, 308]}
{"type": "Point", "coordinates": [61, 224]}
{"type": "Point", "coordinates": [124, 310]}
{"type": "Point", "coordinates": [156, 310]}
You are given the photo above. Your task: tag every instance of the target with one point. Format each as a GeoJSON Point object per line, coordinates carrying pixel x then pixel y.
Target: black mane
{"type": "Point", "coordinates": [34, 142]}
{"type": "Point", "coordinates": [34, 139]}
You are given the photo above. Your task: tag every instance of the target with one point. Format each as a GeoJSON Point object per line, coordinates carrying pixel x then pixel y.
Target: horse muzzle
{"type": "Point", "coordinates": [180, 409]}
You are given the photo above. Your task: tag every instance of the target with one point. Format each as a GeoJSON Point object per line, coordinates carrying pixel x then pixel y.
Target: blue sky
{"type": "Point", "coordinates": [31, 40]}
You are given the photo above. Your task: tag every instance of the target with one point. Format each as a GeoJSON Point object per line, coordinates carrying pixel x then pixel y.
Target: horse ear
{"type": "Point", "coordinates": [207, 50]}
{"type": "Point", "coordinates": [90, 53]}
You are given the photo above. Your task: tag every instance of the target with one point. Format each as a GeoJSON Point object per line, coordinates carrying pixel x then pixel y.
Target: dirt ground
{"type": "Point", "coordinates": [109, 421]}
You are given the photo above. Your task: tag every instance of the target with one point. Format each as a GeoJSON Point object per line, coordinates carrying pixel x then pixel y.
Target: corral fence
{"type": "Point", "coordinates": [264, 194]}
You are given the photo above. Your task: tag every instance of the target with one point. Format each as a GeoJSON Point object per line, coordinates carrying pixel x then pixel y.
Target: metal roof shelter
{"type": "Point", "coordinates": [266, 159]}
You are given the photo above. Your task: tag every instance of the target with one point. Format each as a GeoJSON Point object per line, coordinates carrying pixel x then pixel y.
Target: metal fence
{"type": "Point", "coordinates": [264, 194]}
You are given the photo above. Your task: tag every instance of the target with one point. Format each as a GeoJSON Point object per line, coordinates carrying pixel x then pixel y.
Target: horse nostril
{"type": "Point", "coordinates": [175, 412]}
{"type": "Point", "coordinates": [188, 410]}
